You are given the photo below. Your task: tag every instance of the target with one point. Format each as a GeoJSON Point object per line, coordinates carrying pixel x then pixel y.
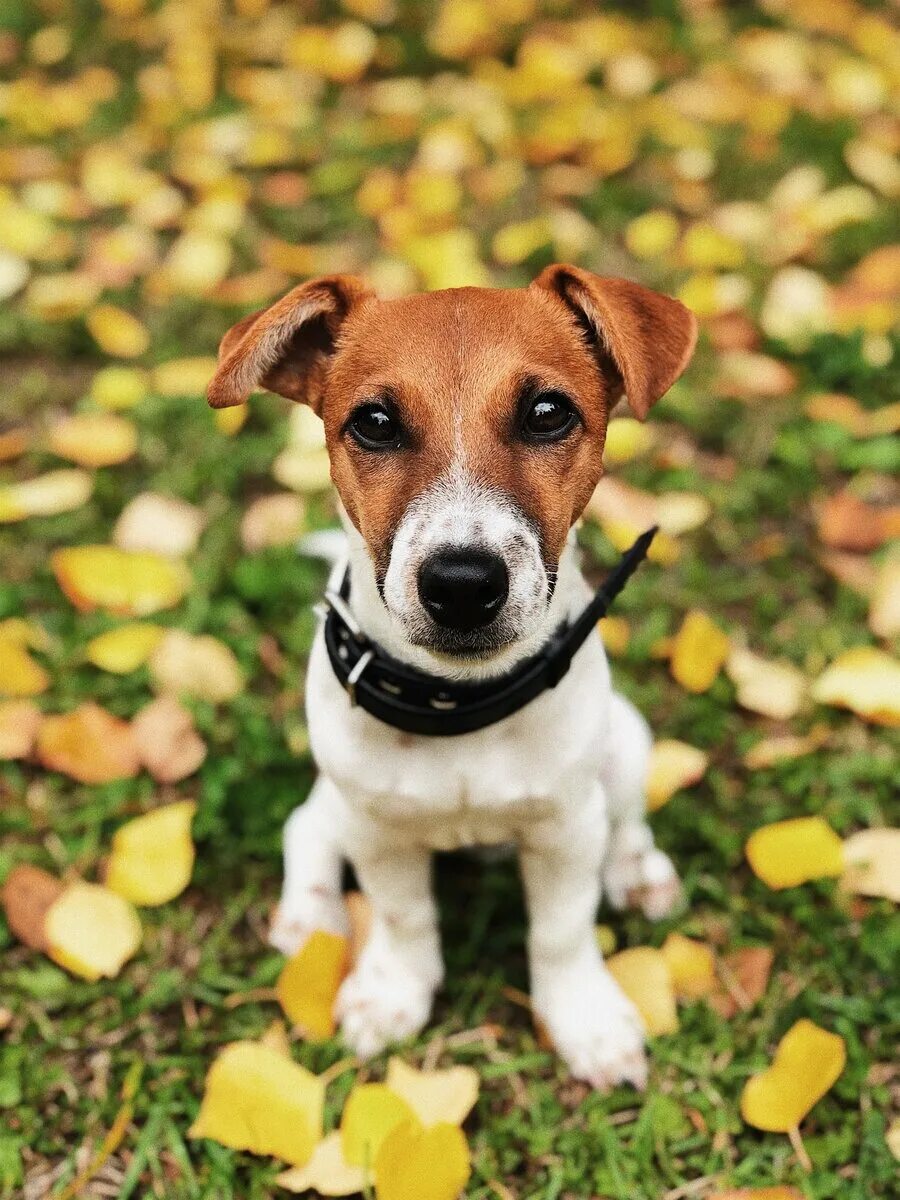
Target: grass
{"type": "Point", "coordinates": [69, 1046]}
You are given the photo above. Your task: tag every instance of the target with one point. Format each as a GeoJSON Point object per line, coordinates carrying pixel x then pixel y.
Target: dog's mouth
{"type": "Point", "coordinates": [459, 647]}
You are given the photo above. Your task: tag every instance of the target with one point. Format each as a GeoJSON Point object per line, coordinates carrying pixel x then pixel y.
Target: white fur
{"type": "Point", "coordinates": [562, 779]}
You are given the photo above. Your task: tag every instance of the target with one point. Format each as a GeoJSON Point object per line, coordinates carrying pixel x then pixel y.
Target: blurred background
{"type": "Point", "coordinates": [166, 168]}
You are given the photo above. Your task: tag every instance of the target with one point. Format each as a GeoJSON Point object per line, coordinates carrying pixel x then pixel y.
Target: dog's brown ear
{"type": "Point", "coordinates": [285, 347]}
{"type": "Point", "coordinates": [643, 340]}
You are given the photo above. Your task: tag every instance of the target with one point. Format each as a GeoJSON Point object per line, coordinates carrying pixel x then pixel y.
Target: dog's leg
{"type": "Point", "coordinates": [593, 1025]}
{"type": "Point", "coordinates": [635, 873]}
{"type": "Point", "coordinates": [311, 896]}
{"type": "Point", "coordinates": [388, 996]}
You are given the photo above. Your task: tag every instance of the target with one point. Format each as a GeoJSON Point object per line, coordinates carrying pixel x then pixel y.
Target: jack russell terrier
{"type": "Point", "coordinates": [465, 429]}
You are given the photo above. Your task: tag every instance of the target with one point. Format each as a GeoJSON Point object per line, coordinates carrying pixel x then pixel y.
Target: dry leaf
{"type": "Point", "coordinates": [275, 1036]}
{"type": "Point", "coordinates": [792, 852]}
{"type": "Point", "coordinates": [618, 503]}
{"type": "Point", "coordinates": [865, 680]}
{"type": "Point", "coordinates": [626, 439]}
{"type": "Point", "coordinates": [743, 979]}
{"type": "Point", "coordinates": [94, 439]}
{"type": "Point", "coordinates": [807, 1062]}
{"type": "Point", "coordinates": [20, 675]}
{"type": "Point", "coordinates": [91, 931]}
{"type": "Point", "coordinates": [124, 649]}
{"type": "Point", "coordinates": [643, 975]}
{"type": "Point", "coordinates": [89, 744]}
{"type": "Point", "coordinates": [19, 724]}
{"type": "Point", "coordinates": [770, 751]}
{"type": "Point", "coordinates": [747, 375]}
{"type": "Point", "coordinates": [872, 863]}
{"type": "Point", "coordinates": [273, 521]}
{"type": "Point", "coordinates": [699, 651]}
{"type": "Point", "coordinates": [422, 1164]}
{"type": "Point", "coordinates": [308, 984]}
{"type": "Point", "coordinates": [152, 857]}
{"type": "Point", "coordinates": [435, 1096]}
{"type": "Point", "coordinates": [616, 633]}
{"type": "Point", "coordinates": [372, 1111]}
{"type": "Point", "coordinates": [200, 666]}
{"type": "Point", "coordinates": [326, 1172]}
{"type": "Point", "coordinates": [884, 608]}
{"type": "Point", "coordinates": [167, 741]}
{"type": "Point", "coordinates": [159, 524]}
{"type": "Point", "coordinates": [28, 895]}
{"type": "Point", "coordinates": [45, 495]}
{"type": "Point", "coordinates": [14, 442]}
{"type": "Point", "coordinates": [847, 522]}
{"type": "Point", "coordinates": [692, 966]}
{"type": "Point", "coordinates": [766, 1193]}
{"type": "Point", "coordinates": [773, 689]}
{"type": "Point", "coordinates": [123, 582]}
{"type": "Point", "coordinates": [257, 1100]}
{"type": "Point", "coordinates": [673, 765]}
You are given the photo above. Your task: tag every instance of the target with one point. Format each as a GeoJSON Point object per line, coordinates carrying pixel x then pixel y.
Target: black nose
{"type": "Point", "coordinates": [463, 589]}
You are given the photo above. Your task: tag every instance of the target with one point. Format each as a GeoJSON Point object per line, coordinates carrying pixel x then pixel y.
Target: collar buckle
{"type": "Point", "coordinates": [356, 674]}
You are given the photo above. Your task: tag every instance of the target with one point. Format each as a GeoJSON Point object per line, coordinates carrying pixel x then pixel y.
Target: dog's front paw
{"type": "Point", "coordinates": [637, 875]}
{"type": "Point", "coordinates": [300, 914]}
{"type": "Point", "coordinates": [381, 1003]}
{"type": "Point", "coordinates": [595, 1029]}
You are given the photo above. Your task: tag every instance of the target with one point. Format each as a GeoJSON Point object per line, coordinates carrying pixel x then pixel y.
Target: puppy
{"type": "Point", "coordinates": [466, 429]}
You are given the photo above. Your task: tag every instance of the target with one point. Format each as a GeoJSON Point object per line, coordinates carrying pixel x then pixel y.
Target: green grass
{"type": "Point", "coordinates": [68, 1046]}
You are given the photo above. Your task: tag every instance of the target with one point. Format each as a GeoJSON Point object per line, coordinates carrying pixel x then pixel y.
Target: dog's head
{"type": "Point", "coordinates": [465, 428]}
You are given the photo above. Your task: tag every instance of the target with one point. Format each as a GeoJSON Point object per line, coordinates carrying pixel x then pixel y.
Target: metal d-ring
{"type": "Point", "coordinates": [356, 674]}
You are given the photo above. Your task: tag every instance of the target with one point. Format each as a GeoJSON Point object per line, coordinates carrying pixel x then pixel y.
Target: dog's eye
{"type": "Point", "coordinates": [549, 417]}
{"type": "Point", "coordinates": [374, 428]}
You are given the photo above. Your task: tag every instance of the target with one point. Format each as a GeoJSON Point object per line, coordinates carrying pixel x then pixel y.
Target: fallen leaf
{"type": "Point", "coordinates": [626, 439]}
{"type": "Point", "coordinates": [88, 744]}
{"type": "Point", "coordinates": [673, 765]}
{"type": "Point", "coordinates": [14, 442]}
{"type": "Point", "coordinates": [770, 751]}
{"type": "Point", "coordinates": [114, 388]}
{"type": "Point", "coordinates": [91, 931]}
{"type": "Point", "coordinates": [766, 1193]}
{"type": "Point", "coordinates": [865, 680]}
{"type": "Point", "coordinates": [127, 583]}
{"type": "Point", "coordinates": [847, 522]}
{"type": "Point", "coordinates": [305, 471]}
{"type": "Point", "coordinates": [257, 1100]}
{"type": "Point", "coordinates": [615, 632]}
{"type": "Point", "coordinates": [93, 439]}
{"type": "Point", "coordinates": [854, 571]}
{"type": "Point", "coordinates": [435, 1096]}
{"type": "Point", "coordinates": [372, 1111]}
{"type": "Point", "coordinates": [20, 674]}
{"type": "Point", "coordinates": [184, 376]}
{"type": "Point", "coordinates": [124, 649]}
{"type": "Point", "coordinates": [152, 856]}
{"type": "Point", "coordinates": [273, 521]}
{"type": "Point", "coordinates": [275, 1036]}
{"type": "Point", "coordinates": [643, 975]}
{"type": "Point", "coordinates": [743, 979]}
{"type": "Point", "coordinates": [159, 524]}
{"type": "Point", "coordinates": [422, 1164]}
{"type": "Point", "coordinates": [773, 689]}
{"type": "Point", "coordinates": [748, 375]}
{"type": "Point", "coordinates": [45, 495]}
{"type": "Point", "coordinates": [699, 651]}
{"type": "Point", "coordinates": [692, 966]}
{"type": "Point", "coordinates": [308, 984]}
{"type": "Point", "coordinates": [167, 741]}
{"type": "Point", "coordinates": [28, 895]}
{"type": "Point", "coordinates": [792, 852]}
{"type": "Point", "coordinates": [19, 724]}
{"type": "Point", "coordinates": [620, 503]}
{"type": "Point", "coordinates": [884, 607]}
{"type": "Point", "coordinates": [201, 666]}
{"type": "Point", "coordinates": [117, 332]}
{"type": "Point", "coordinates": [326, 1172]}
{"type": "Point", "coordinates": [806, 1064]}
{"type": "Point", "coordinates": [872, 863]}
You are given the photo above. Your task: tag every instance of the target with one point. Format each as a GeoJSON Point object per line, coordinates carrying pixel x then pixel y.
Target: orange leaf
{"type": "Point", "coordinates": [807, 1062]}
{"type": "Point", "coordinates": [19, 724]}
{"type": "Point", "coordinates": [309, 982]}
{"type": "Point", "coordinates": [743, 979]}
{"type": "Point", "coordinates": [89, 744]}
{"type": "Point", "coordinates": [848, 523]}
{"type": "Point", "coordinates": [699, 650]}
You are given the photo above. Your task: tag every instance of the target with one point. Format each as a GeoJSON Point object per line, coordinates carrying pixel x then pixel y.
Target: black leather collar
{"type": "Point", "coordinates": [417, 702]}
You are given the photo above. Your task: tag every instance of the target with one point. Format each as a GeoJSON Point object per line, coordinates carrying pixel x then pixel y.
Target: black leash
{"type": "Point", "coordinates": [416, 702]}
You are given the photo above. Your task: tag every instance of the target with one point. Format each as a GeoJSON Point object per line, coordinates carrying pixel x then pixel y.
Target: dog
{"type": "Point", "coordinates": [465, 430]}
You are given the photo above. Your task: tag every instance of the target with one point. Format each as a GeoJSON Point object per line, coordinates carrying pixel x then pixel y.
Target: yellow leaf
{"type": "Point", "coordinates": [230, 421]}
{"type": "Point", "coordinates": [123, 650]}
{"type": "Point", "coordinates": [789, 853]}
{"type": "Point", "coordinates": [872, 863]}
{"type": "Point", "coordinates": [615, 632]}
{"type": "Point", "coordinates": [865, 680]}
{"type": "Point", "coordinates": [326, 1172]}
{"type": "Point", "coordinates": [422, 1164]}
{"type": "Point", "coordinates": [766, 1193]}
{"type": "Point", "coordinates": [128, 583]}
{"type": "Point", "coordinates": [435, 1096]}
{"type": "Point", "coordinates": [94, 439]}
{"type": "Point", "coordinates": [807, 1062]}
{"type": "Point", "coordinates": [303, 470]}
{"type": "Point", "coordinates": [199, 666]}
{"type": "Point", "coordinates": [652, 234]}
{"type": "Point", "coordinates": [699, 650]}
{"type": "Point", "coordinates": [774, 689]}
{"type": "Point", "coordinates": [19, 724]}
{"type": "Point", "coordinates": [115, 388]}
{"type": "Point", "coordinates": [117, 332]}
{"type": "Point", "coordinates": [692, 966]}
{"type": "Point", "coordinates": [20, 675]}
{"type": "Point", "coordinates": [673, 765]}
{"type": "Point", "coordinates": [91, 931]}
{"type": "Point", "coordinates": [183, 376]}
{"type": "Point", "coordinates": [626, 438]}
{"type": "Point", "coordinates": [309, 982]}
{"type": "Point", "coordinates": [89, 744]}
{"type": "Point", "coordinates": [643, 975]}
{"type": "Point", "coordinates": [45, 495]}
{"type": "Point", "coordinates": [884, 609]}
{"type": "Point", "coordinates": [257, 1100]}
{"type": "Point", "coordinates": [372, 1111]}
{"type": "Point", "coordinates": [153, 856]}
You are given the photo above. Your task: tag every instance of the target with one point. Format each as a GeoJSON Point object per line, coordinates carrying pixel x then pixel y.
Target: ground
{"type": "Point", "coordinates": [755, 566]}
